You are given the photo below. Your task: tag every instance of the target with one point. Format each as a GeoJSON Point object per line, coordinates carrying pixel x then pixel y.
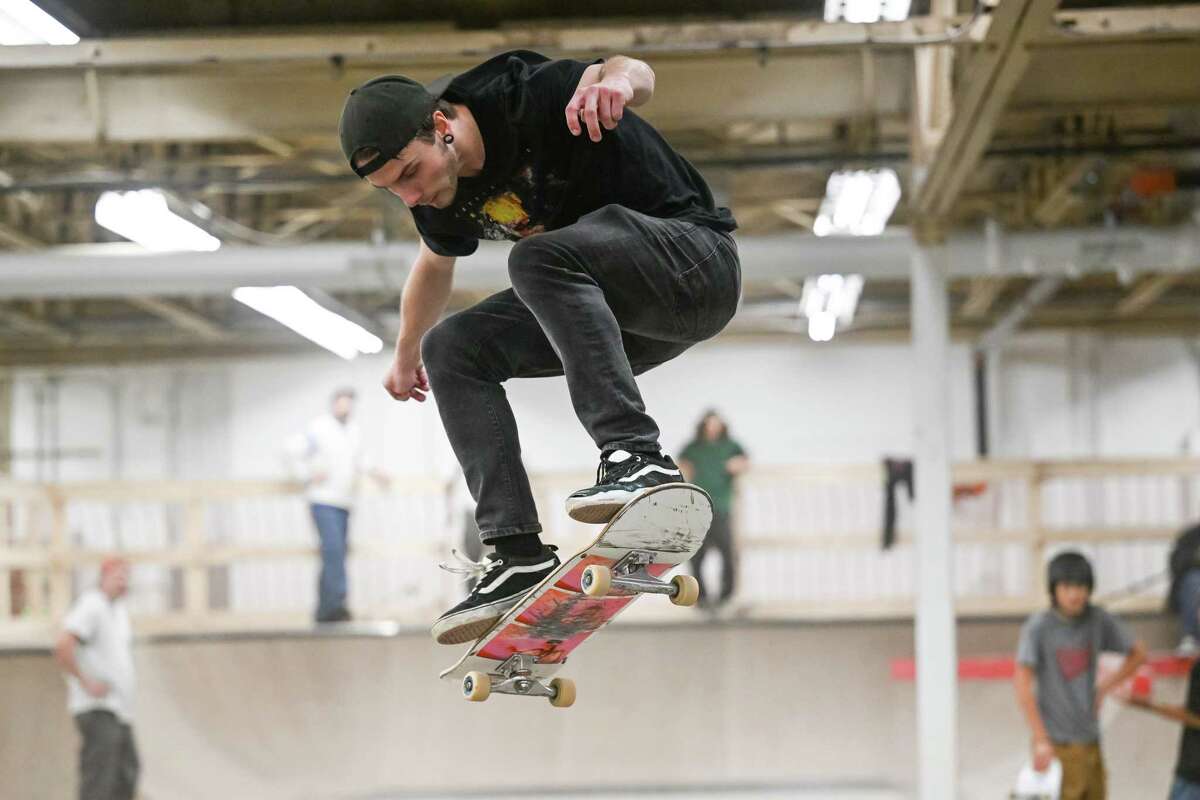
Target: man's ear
{"type": "Point", "coordinates": [441, 124]}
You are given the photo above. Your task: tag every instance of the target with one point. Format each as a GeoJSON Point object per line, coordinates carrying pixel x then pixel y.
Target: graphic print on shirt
{"type": "Point", "coordinates": [1073, 661]}
{"type": "Point", "coordinates": [504, 216]}
{"type": "Point", "coordinates": [519, 207]}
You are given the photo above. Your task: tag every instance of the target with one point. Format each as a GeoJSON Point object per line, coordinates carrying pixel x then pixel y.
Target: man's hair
{"type": "Point", "coordinates": [1070, 567]}
{"type": "Point", "coordinates": [698, 436]}
{"type": "Point", "coordinates": [343, 391]}
{"type": "Point", "coordinates": [424, 133]}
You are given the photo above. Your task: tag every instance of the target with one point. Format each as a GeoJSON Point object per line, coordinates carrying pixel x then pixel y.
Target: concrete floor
{"type": "Point", "coordinates": [843, 792]}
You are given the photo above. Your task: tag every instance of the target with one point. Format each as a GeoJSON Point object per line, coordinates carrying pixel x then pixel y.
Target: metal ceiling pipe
{"type": "Point", "coordinates": [124, 270]}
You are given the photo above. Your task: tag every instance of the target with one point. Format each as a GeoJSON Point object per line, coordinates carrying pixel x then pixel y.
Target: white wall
{"type": "Point", "coordinates": [788, 401]}
{"type": "Point", "coordinates": [1085, 395]}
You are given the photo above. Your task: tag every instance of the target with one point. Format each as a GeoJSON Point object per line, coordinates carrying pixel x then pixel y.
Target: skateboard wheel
{"type": "Point", "coordinates": [477, 686]}
{"type": "Point", "coordinates": [687, 590]}
{"type": "Point", "coordinates": [564, 692]}
{"type": "Point", "coordinates": [596, 580]}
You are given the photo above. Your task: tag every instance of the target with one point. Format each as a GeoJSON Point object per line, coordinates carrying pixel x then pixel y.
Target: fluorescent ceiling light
{"type": "Point", "coordinates": [866, 10]}
{"type": "Point", "coordinates": [22, 22]}
{"type": "Point", "coordinates": [858, 203]}
{"type": "Point", "coordinates": [143, 217]}
{"type": "Point", "coordinates": [293, 308]}
{"type": "Point", "coordinates": [829, 301]}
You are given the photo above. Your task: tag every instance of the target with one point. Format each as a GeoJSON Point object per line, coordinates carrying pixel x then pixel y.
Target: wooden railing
{"type": "Point", "coordinates": [238, 555]}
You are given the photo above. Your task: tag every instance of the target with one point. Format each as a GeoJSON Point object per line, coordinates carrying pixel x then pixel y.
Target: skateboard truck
{"type": "Point", "coordinates": [629, 576]}
{"type": "Point", "coordinates": [515, 676]}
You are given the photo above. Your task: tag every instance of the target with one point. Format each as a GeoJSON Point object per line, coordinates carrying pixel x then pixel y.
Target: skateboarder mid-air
{"type": "Point", "coordinates": [622, 261]}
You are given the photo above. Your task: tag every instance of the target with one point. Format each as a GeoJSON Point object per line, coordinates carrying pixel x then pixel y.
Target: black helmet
{"type": "Point", "coordinates": [1069, 567]}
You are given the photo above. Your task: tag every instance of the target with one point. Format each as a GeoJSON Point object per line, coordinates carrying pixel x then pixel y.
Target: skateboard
{"type": "Point", "coordinates": [1034, 785]}
{"type": "Point", "coordinates": [519, 655]}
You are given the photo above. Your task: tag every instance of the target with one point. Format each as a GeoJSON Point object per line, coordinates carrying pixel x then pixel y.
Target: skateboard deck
{"type": "Point", "coordinates": [655, 532]}
{"type": "Point", "coordinates": [1034, 785]}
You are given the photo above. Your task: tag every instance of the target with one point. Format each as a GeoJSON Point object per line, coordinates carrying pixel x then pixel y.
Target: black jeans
{"type": "Point", "coordinates": [108, 759]}
{"type": "Point", "coordinates": [599, 301]}
{"type": "Point", "coordinates": [720, 538]}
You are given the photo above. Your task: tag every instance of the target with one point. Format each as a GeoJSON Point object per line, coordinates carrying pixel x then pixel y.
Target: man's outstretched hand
{"type": "Point", "coordinates": [600, 104]}
{"type": "Point", "coordinates": [406, 380]}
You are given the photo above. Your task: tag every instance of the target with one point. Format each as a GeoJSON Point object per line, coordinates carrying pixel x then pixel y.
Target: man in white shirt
{"type": "Point", "coordinates": [94, 652]}
{"type": "Point", "coordinates": [329, 459]}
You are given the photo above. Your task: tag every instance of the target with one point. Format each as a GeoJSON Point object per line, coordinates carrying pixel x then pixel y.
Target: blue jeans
{"type": "Point", "coordinates": [1188, 594]}
{"type": "Point", "coordinates": [599, 301]}
{"type": "Point", "coordinates": [1183, 789]}
{"type": "Point", "coordinates": [332, 523]}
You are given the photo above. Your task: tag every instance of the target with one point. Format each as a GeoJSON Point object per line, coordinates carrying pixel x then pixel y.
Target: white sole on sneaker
{"type": "Point", "coordinates": [471, 623]}
{"type": "Point", "coordinates": [601, 507]}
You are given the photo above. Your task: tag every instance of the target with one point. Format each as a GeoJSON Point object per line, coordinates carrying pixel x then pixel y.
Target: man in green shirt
{"type": "Point", "coordinates": [711, 461]}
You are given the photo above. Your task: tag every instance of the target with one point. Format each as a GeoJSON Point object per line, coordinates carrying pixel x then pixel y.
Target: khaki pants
{"type": "Point", "coordinates": [1083, 771]}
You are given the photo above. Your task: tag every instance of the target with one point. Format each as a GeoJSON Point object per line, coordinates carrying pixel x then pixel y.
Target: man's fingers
{"type": "Point", "coordinates": [615, 108]}
{"type": "Point", "coordinates": [590, 115]}
{"type": "Point", "coordinates": [604, 108]}
{"type": "Point", "coordinates": [396, 394]}
{"type": "Point", "coordinates": [573, 115]}
{"type": "Point", "coordinates": [407, 384]}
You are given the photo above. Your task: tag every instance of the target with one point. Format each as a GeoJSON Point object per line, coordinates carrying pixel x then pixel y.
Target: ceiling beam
{"type": "Point", "coordinates": [49, 106]}
{"type": "Point", "coordinates": [1146, 293]}
{"type": "Point", "coordinates": [1039, 293]}
{"type": "Point", "coordinates": [122, 271]}
{"type": "Point", "coordinates": [438, 43]}
{"type": "Point", "coordinates": [34, 326]}
{"type": "Point", "coordinates": [443, 44]}
{"type": "Point", "coordinates": [1085, 27]}
{"type": "Point", "coordinates": [1061, 198]}
{"type": "Point", "coordinates": [986, 85]}
{"type": "Point", "coordinates": [181, 317]}
{"type": "Point", "coordinates": [15, 239]}
{"type": "Point", "coordinates": [798, 211]}
{"type": "Point", "coordinates": [359, 193]}
{"type": "Point", "coordinates": [982, 294]}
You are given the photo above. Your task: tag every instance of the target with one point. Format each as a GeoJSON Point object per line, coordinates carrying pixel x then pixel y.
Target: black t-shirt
{"type": "Point", "coordinates": [1188, 765]}
{"type": "Point", "coordinates": [538, 177]}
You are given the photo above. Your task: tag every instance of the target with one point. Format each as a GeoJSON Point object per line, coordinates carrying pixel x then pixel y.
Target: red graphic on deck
{"type": "Point", "coordinates": [561, 619]}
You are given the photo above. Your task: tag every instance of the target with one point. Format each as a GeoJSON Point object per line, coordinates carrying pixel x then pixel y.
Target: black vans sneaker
{"type": "Point", "coordinates": [502, 581]}
{"type": "Point", "coordinates": [621, 477]}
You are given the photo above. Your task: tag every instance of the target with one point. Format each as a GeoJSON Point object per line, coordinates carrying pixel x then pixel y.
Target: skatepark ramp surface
{"type": "Point", "coordinates": [841, 791]}
{"type": "Point", "coordinates": [721, 709]}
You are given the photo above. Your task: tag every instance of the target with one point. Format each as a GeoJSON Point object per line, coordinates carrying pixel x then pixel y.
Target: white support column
{"type": "Point", "coordinates": [937, 678]}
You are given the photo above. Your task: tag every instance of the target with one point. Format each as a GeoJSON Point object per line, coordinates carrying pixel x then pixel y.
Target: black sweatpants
{"type": "Point", "coordinates": [108, 759]}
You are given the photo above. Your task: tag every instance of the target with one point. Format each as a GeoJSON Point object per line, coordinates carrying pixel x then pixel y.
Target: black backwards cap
{"type": "Point", "coordinates": [385, 113]}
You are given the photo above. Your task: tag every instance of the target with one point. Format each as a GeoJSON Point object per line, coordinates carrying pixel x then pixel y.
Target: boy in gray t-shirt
{"type": "Point", "coordinates": [1058, 650]}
